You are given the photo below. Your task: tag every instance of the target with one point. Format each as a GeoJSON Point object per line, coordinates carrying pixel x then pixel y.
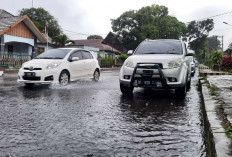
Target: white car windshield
{"type": "Point", "coordinates": [159, 47]}
{"type": "Point", "coordinates": [54, 54]}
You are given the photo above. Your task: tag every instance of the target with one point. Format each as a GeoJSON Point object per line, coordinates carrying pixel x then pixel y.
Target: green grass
{"type": "Point", "coordinates": [212, 90]}
{"type": "Point", "coordinates": [229, 131]}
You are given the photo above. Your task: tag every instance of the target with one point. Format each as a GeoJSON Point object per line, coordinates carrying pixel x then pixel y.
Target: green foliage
{"type": "Point", "coordinates": [61, 40]}
{"type": "Point", "coordinates": [217, 57]}
{"type": "Point", "coordinates": [151, 22]}
{"type": "Point", "coordinates": [99, 56]}
{"type": "Point", "coordinates": [212, 90]}
{"type": "Point", "coordinates": [108, 61]}
{"type": "Point", "coordinates": [229, 131]}
{"type": "Point", "coordinates": [94, 37]}
{"type": "Point", "coordinates": [197, 33]}
{"type": "Point", "coordinates": [214, 43]}
{"type": "Point", "coordinates": [40, 16]}
{"type": "Point", "coordinates": [123, 57]}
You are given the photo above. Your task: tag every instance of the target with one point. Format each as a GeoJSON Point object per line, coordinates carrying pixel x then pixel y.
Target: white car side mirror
{"type": "Point", "coordinates": [130, 52]}
{"type": "Point", "coordinates": [75, 59]}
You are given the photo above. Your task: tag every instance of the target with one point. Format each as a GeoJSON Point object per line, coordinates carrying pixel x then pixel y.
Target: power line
{"type": "Point", "coordinates": [77, 33]}
{"type": "Point", "coordinates": [213, 16]}
{"type": "Point", "coordinates": [220, 30]}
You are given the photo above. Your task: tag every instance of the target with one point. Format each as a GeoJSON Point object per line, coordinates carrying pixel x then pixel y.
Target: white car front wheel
{"type": "Point", "coordinates": [64, 78]}
{"type": "Point", "coordinates": [96, 75]}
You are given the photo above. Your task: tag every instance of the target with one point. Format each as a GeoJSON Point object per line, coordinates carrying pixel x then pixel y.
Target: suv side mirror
{"type": "Point", "coordinates": [130, 52]}
{"type": "Point", "coordinates": [75, 59]}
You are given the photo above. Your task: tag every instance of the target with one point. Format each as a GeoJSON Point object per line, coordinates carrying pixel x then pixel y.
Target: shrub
{"type": "Point", "coordinates": [108, 61]}
{"type": "Point", "coordinates": [217, 57]}
{"type": "Point", "coordinates": [227, 63]}
{"type": "Point", "coordinates": [123, 57]}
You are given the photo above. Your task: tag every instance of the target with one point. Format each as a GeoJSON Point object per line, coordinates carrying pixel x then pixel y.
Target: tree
{"type": "Point", "coordinates": [217, 57]}
{"type": "Point", "coordinates": [197, 32]}
{"type": "Point", "coordinates": [62, 40]}
{"type": "Point", "coordinates": [151, 22]}
{"type": "Point", "coordinates": [214, 44]}
{"type": "Point", "coordinates": [40, 16]}
{"type": "Point", "coordinates": [94, 37]}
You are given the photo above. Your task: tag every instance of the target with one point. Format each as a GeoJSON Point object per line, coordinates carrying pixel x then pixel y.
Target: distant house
{"type": "Point", "coordinates": [18, 39]}
{"type": "Point", "coordinates": [104, 50]}
{"type": "Point", "coordinates": [114, 41]}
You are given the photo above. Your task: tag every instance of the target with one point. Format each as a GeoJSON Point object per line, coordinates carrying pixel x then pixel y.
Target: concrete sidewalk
{"type": "Point", "coordinates": [217, 95]}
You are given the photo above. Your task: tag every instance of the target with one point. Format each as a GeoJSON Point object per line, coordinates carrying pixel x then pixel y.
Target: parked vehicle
{"type": "Point", "coordinates": [160, 64]}
{"type": "Point", "coordinates": [196, 63]}
{"type": "Point", "coordinates": [59, 66]}
{"type": "Point", "coordinates": [193, 66]}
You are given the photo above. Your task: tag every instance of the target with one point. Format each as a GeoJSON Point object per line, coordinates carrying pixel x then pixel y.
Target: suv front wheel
{"type": "Point", "coordinates": [126, 90]}
{"type": "Point", "coordinates": [181, 92]}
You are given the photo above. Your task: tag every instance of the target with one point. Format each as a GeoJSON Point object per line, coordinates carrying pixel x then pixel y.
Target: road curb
{"type": "Point", "coordinates": [202, 74]}
{"type": "Point", "coordinates": [222, 143]}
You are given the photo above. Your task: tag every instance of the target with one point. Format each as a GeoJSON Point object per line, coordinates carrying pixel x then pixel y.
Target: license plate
{"type": "Point", "coordinates": [147, 71]}
{"type": "Point", "coordinates": [147, 82]}
{"type": "Point", "coordinates": [29, 74]}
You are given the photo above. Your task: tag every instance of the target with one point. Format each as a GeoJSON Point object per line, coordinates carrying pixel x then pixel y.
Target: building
{"type": "Point", "coordinates": [104, 50]}
{"type": "Point", "coordinates": [18, 39]}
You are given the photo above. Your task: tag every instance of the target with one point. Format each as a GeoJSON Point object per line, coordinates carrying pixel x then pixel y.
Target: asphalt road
{"type": "Point", "coordinates": [89, 118]}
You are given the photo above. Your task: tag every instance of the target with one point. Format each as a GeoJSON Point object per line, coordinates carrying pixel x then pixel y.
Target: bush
{"type": "Point", "coordinates": [107, 61]}
{"type": "Point", "coordinates": [123, 57]}
{"type": "Point", "coordinates": [217, 57]}
{"type": "Point", "coordinates": [227, 63]}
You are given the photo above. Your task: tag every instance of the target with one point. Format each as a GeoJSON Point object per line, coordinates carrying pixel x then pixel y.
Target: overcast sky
{"type": "Point", "coordinates": [93, 16]}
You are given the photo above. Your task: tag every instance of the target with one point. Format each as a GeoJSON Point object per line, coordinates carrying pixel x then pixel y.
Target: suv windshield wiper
{"type": "Point", "coordinates": [173, 53]}
{"type": "Point", "coordinates": [153, 53]}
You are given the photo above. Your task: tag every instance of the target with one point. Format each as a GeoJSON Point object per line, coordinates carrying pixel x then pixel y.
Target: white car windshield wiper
{"type": "Point", "coordinates": [48, 58]}
{"type": "Point", "coordinates": [154, 53]}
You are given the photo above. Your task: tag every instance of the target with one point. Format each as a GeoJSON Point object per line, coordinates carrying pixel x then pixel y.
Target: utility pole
{"type": "Point", "coordinates": [32, 3]}
{"type": "Point", "coordinates": [222, 43]}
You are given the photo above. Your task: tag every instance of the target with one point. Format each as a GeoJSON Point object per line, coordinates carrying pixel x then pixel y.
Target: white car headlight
{"type": "Point", "coordinates": [129, 63]}
{"type": "Point", "coordinates": [53, 65]}
{"type": "Point", "coordinates": [175, 63]}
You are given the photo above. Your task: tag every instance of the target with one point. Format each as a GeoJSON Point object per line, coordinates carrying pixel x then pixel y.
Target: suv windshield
{"type": "Point", "coordinates": [54, 54]}
{"type": "Point", "coordinates": [159, 47]}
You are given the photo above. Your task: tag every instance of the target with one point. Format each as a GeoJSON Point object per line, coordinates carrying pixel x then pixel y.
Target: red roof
{"type": "Point", "coordinates": [97, 43]}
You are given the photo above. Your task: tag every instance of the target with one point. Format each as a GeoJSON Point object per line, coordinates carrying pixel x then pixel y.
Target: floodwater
{"type": "Point", "coordinates": [89, 118]}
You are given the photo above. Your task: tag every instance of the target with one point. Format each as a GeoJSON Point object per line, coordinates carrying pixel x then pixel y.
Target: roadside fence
{"type": "Point", "coordinates": [13, 59]}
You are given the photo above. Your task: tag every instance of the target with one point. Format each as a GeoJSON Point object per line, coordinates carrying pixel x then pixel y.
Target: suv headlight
{"type": "Point", "coordinates": [129, 63]}
{"type": "Point", "coordinates": [53, 65]}
{"type": "Point", "coordinates": [175, 63]}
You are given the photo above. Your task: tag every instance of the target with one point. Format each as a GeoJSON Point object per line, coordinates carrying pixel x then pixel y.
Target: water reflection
{"type": "Point", "coordinates": [161, 125]}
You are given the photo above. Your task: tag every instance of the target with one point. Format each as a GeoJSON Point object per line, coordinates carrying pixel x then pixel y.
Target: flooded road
{"type": "Point", "coordinates": [89, 118]}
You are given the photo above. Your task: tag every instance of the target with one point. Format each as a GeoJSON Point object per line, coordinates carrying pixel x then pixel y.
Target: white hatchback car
{"type": "Point", "coordinates": [59, 66]}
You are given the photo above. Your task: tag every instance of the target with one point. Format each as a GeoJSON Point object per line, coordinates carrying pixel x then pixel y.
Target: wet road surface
{"type": "Point", "coordinates": [89, 118]}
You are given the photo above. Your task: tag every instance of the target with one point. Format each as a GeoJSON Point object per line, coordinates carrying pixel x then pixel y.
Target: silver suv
{"type": "Point", "coordinates": [160, 64]}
